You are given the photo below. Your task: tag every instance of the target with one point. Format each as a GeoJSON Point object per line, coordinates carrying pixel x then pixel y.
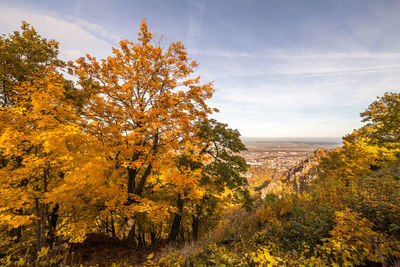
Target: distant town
{"type": "Point", "coordinates": [281, 154]}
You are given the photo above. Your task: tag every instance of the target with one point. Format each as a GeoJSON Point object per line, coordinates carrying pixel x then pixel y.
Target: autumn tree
{"type": "Point", "coordinates": [374, 146]}
{"type": "Point", "coordinates": [23, 56]}
{"type": "Point", "coordinates": [39, 143]}
{"type": "Point", "coordinates": [39, 132]}
{"type": "Point", "coordinates": [363, 176]}
{"type": "Point", "coordinates": [145, 103]}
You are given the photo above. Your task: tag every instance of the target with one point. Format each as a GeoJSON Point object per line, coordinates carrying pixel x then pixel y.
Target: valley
{"type": "Point", "coordinates": [282, 154]}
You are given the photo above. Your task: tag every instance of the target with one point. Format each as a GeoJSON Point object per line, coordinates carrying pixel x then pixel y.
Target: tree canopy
{"type": "Point", "coordinates": [127, 150]}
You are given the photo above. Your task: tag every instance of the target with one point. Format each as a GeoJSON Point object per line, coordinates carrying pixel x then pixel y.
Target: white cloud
{"type": "Point", "coordinates": [288, 55]}
{"type": "Point", "coordinates": [97, 30]}
{"type": "Point", "coordinates": [298, 94]}
{"type": "Point", "coordinates": [72, 53]}
{"type": "Point", "coordinates": [76, 36]}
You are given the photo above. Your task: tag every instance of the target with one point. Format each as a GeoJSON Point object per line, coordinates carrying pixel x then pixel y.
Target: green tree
{"type": "Point", "coordinates": [222, 171]}
{"type": "Point", "coordinates": [383, 117]}
{"type": "Point", "coordinates": [23, 55]}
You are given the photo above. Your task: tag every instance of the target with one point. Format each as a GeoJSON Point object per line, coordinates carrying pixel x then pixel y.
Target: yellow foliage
{"type": "Point", "coordinates": [353, 241]}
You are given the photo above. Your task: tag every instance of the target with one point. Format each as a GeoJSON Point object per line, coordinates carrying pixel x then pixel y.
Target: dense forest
{"type": "Point", "coordinates": [118, 161]}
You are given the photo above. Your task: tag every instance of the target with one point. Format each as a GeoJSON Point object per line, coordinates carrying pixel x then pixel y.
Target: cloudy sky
{"type": "Point", "coordinates": [282, 68]}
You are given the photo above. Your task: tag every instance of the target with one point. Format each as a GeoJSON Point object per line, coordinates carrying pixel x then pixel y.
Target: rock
{"type": "Point", "coordinates": [296, 178]}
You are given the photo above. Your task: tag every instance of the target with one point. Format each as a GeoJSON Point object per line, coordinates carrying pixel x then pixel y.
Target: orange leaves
{"type": "Point", "coordinates": [144, 35]}
{"type": "Point", "coordinates": [144, 108]}
{"type": "Point", "coordinates": [45, 147]}
{"type": "Point", "coordinates": [139, 103]}
{"type": "Point", "coordinates": [125, 143]}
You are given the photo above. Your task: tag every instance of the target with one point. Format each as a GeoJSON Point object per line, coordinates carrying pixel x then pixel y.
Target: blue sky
{"type": "Point", "coordinates": [281, 68]}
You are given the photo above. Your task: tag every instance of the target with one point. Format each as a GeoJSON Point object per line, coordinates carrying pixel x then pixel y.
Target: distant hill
{"type": "Point", "coordinates": [290, 143]}
{"type": "Point", "coordinates": [336, 140]}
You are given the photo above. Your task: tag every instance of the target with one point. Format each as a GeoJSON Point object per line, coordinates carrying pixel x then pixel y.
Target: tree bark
{"type": "Point", "coordinates": [52, 219]}
{"type": "Point", "coordinates": [177, 220]}
{"type": "Point", "coordinates": [41, 225]}
{"type": "Point", "coordinates": [112, 225]}
{"type": "Point", "coordinates": [141, 236]}
{"type": "Point", "coordinates": [147, 172]}
{"type": "Point", "coordinates": [131, 238]}
{"type": "Point", "coordinates": [131, 179]}
{"type": "Point", "coordinates": [142, 182]}
{"type": "Point", "coordinates": [41, 212]}
{"type": "Point", "coordinates": [132, 173]}
{"type": "Point", "coordinates": [195, 227]}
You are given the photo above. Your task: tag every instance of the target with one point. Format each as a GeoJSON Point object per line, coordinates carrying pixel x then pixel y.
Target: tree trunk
{"type": "Point", "coordinates": [112, 225]}
{"type": "Point", "coordinates": [195, 227]}
{"type": "Point", "coordinates": [177, 220]}
{"type": "Point", "coordinates": [143, 179]}
{"type": "Point", "coordinates": [141, 236]}
{"type": "Point", "coordinates": [52, 219]}
{"type": "Point", "coordinates": [132, 173]}
{"type": "Point", "coordinates": [41, 225]}
{"type": "Point", "coordinates": [41, 212]}
{"type": "Point", "coordinates": [152, 237]}
{"type": "Point", "coordinates": [131, 179]}
{"type": "Point", "coordinates": [131, 238]}
{"type": "Point", "coordinates": [148, 170]}
{"type": "Point", "coordinates": [196, 221]}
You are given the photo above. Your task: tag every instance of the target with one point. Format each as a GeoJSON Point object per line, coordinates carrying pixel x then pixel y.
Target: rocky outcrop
{"type": "Point", "coordinates": [298, 177]}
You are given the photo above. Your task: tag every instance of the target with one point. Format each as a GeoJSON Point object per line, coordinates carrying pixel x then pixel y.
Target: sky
{"type": "Point", "coordinates": [281, 68]}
